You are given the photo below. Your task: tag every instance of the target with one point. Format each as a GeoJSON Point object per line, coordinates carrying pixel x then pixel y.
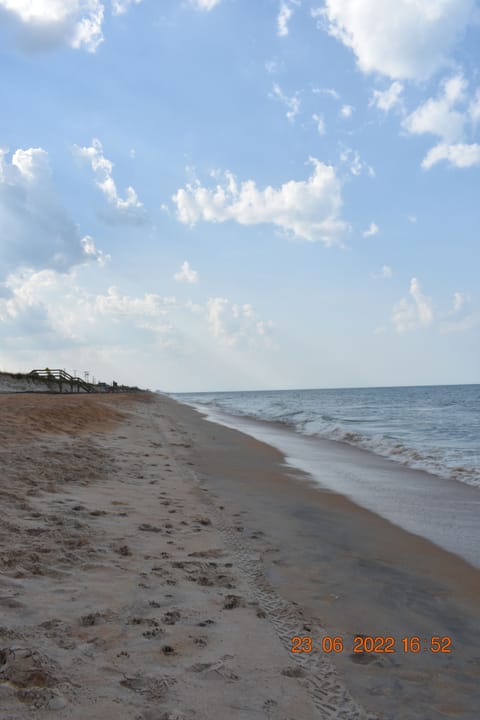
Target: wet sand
{"type": "Point", "coordinates": [156, 566]}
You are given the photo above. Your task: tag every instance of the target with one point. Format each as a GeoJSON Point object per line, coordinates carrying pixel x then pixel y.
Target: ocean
{"type": "Point", "coordinates": [411, 454]}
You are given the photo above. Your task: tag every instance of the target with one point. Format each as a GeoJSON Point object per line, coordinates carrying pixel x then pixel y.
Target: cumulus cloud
{"type": "Point", "coordinates": [128, 208]}
{"type": "Point", "coordinates": [397, 38]}
{"type": "Point", "coordinates": [440, 116]}
{"type": "Point", "coordinates": [186, 274]}
{"type": "Point", "coordinates": [68, 314]}
{"type": "Point", "coordinates": [41, 25]}
{"type": "Point", "coordinates": [36, 230]}
{"type": "Point", "coordinates": [372, 229]}
{"type": "Point", "coordinates": [234, 325]}
{"type": "Point", "coordinates": [292, 103]}
{"type": "Point", "coordinates": [459, 155]}
{"type": "Point", "coordinates": [387, 99]}
{"type": "Point", "coordinates": [412, 314]}
{"type": "Point", "coordinates": [205, 5]}
{"type": "Point", "coordinates": [307, 209]}
{"type": "Point", "coordinates": [447, 116]}
{"type": "Point", "coordinates": [47, 308]}
{"type": "Point", "coordinates": [44, 24]}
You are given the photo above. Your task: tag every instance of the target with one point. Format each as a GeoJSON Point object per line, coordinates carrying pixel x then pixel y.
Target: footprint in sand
{"type": "Point", "coordinates": [207, 554]}
{"type": "Point", "coordinates": [34, 676]}
{"type": "Point", "coordinates": [152, 688]}
{"type": "Point", "coordinates": [231, 602]}
{"type": "Point", "coordinates": [123, 550]}
{"type": "Point", "coordinates": [146, 527]}
{"type": "Point", "coordinates": [171, 617]}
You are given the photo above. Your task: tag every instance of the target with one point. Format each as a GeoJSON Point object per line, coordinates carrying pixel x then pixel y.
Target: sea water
{"type": "Point", "coordinates": [434, 428]}
{"type": "Point", "coordinates": [410, 454]}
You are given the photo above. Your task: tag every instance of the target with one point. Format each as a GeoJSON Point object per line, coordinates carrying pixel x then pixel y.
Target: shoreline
{"type": "Point", "coordinates": [353, 572]}
{"type": "Point", "coordinates": [389, 489]}
{"type": "Point", "coordinates": [156, 566]}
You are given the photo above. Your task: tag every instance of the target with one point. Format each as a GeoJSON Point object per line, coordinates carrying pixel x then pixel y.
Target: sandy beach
{"type": "Point", "coordinates": [156, 566]}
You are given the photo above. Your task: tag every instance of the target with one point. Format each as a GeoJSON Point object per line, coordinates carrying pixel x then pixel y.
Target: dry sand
{"type": "Point", "coordinates": [154, 566]}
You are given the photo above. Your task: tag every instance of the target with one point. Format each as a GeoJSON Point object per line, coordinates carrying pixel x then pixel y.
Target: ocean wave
{"type": "Point", "coordinates": [409, 436]}
{"type": "Point", "coordinates": [411, 457]}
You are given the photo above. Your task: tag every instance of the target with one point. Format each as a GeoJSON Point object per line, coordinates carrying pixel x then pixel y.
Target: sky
{"type": "Point", "coordinates": [201, 195]}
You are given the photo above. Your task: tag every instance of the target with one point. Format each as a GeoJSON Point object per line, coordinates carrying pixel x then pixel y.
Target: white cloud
{"type": "Point", "coordinates": [439, 116]}
{"type": "Point", "coordinates": [66, 313]}
{"type": "Point", "coordinates": [284, 14]}
{"type": "Point", "coordinates": [397, 38]}
{"type": "Point", "coordinates": [36, 230]}
{"type": "Point", "coordinates": [459, 155]}
{"type": "Point", "coordinates": [354, 162]}
{"type": "Point", "coordinates": [372, 229]}
{"type": "Point", "coordinates": [307, 209]}
{"type": "Point", "coordinates": [91, 251]}
{"type": "Point", "coordinates": [447, 117]}
{"type": "Point", "coordinates": [186, 274]}
{"type": "Point", "coordinates": [292, 103]}
{"type": "Point", "coordinates": [320, 122]}
{"type": "Point", "coordinates": [458, 319]}
{"type": "Point", "coordinates": [411, 315]}
{"type": "Point", "coordinates": [205, 5]}
{"type": "Point", "coordinates": [326, 91]}
{"type": "Point", "coordinates": [387, 99]}
{"type": "Point", "coordinates": [42, 24]}
{"type": "Point", "coordinates": [233, 325]}
{"type": "Point", "coordinates": [129, 208]}
{"type": "Point", "coordinates": [346, 111]}
{"type": "Point", "coordinates": [119, 7]}
{"type": "Point", "coordinates": [49, 309]}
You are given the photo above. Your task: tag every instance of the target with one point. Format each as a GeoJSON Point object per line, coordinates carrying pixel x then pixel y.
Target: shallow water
{"type": "Point", "coordinates": [442, 506]}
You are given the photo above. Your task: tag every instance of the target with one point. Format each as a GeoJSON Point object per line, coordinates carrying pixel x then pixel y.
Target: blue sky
{"type": "Point", "coordinates": [214, 194]}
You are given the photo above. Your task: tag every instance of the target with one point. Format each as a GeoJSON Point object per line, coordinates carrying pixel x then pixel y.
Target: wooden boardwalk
{"type": "Point", "coordinates": [63, 379]}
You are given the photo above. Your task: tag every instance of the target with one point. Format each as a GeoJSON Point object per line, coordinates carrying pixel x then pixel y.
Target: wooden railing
{"type": "Point", "coordinates": [76, 384]}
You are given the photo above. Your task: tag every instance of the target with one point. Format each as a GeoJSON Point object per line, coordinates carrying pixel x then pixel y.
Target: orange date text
{"type": "Point", "coordinates": [372, 644]}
